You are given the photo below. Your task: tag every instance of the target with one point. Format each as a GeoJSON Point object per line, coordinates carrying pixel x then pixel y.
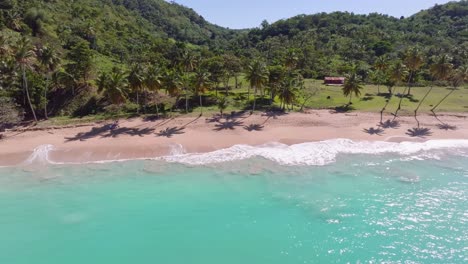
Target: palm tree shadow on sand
{"type": "Point", "coordinates": [446, 127]}
{"type": "Point", "coordinates": [254, 127]}
{"type": "Point", "coordinates": [228, 125]}
{"type": "Point", "coordinates": [170, 132]}
{"type": "Point", "coordinates": [419, 132]}
{"type": "Point", "coordinates": [390, 124]}
{"type": "Point", "coordinates": [374, 131]}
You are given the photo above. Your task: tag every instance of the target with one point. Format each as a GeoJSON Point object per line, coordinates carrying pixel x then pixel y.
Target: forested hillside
{"type": "Point", "coordinates": [75, 58]}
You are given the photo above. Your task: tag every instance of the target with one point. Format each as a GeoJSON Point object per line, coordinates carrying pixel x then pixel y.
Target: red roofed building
{"type": "Point", "coordinates": [334, 80]}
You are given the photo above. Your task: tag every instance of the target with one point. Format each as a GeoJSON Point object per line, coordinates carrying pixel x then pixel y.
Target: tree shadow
{"type": "Point", "coordinates": [228, 125]}
{"type": "Point", "coordinates": [169, 132]}
{"type": "Point", "coordinates": [374, 131]}
{"type": "Point", "coordinates": [367, 98]}
{"type": "Point", "coordinates": [254, 127]}
{"type": "Point", "coordinates": [446, 127]}
{"type": "Point", "coordinates": [419, 132]}
{"type": "Point", "coordinates": [130, 131]}
{"type": "Point", "coordinates": [390, 124]}
{"type": "Point", "coordinates": [110, 131]}
{"type": "Point", "coordinates": [343, 109]}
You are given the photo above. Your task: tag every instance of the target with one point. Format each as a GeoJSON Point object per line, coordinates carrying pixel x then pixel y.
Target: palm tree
{"type": "Point", "coordinates": [49, 61]}
{"type": "Point", "coordinates": [114, 86]}
{"type": "Point", "coordinates": [201, 83]}
{"type": "Point", "coordinates": [457, 79]}
{"type": "Point", "coordinates": [172, 81]}
{"type": "Point", "coordinates": [398, 72]}
{"type": "Point", "coordinates": [414, 61]}
{"type": "Point", "coordinates": [380, 65]}
{"type": "Point", "coordinates": [222, 105]}
{"type": "Point", "coordinates": [153, 82]}
{"type": "Point", "coordinates": [439, 71]}
{"type": "Point", "coordinates": [136, 81]}
{"type": "Point", "coordinates": [25, 58]}
{"type": "Point", "coordinates": [352, 85]}
{"type": "Point", "coordinates": [257, 75]}
{"type": "Point", "coordinates": [187, 64]}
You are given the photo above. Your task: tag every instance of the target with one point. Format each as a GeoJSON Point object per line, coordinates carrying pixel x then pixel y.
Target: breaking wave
{"type": "Point", "coordinates": [312, 153]}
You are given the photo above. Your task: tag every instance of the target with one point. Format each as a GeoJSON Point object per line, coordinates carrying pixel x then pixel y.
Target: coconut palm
{"type": "Point", "coordinates": [172, 81]}
{"type": "Point", "coordinates": [136, 81]}
{"type": "Point", "coordinates": [413, 60]}
{"type": "Point", "coordinates": [352, 85]}
{"type": "Point", "coordinates": [381, 66]}
{"type": "Point", "coordinates": [187, 64]}
{"type": "Point", "coordinates": [50, 61]}
{"type": "Point", "coordinates": [201, 83]}
{"type": "Point", "coordinates": [257, 75]}
{"type": "Point", "coordinates": [439, 71]}
{"type": "Point", "coordinates": [153, 82]}
{"type": "Point", "coordinates": [25, 57]}
{"type": "Point", "coordinates": [398, 73]}
{"type": "Point", "coordinates": [222, 104]}
{"type": "Point", "coordinates": [114, 86]}
{"type": "Point", "coordinates": [457, 79]}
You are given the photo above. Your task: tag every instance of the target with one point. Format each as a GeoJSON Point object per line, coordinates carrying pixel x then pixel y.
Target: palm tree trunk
{"type": "Point", "coordinates": [45, 97]}
{"type": "Point", "coordinates": [25, 85]}
{"type": "Point", "coordinates": [186, 100]}
{"type": "Point", "coordinates": [201, 104]}
{"type": "Point", "coordinates": [420, 103]}
{"type": "Point", "coordinates": [442, 100]}
{"type": "Point", "coordinates": [255, 99]}
{"type": "Point", "coordinates": [138, 102]}
{"type": "Point", "coordinates": [378, 88]}
{"type": "Point", "coordinates": [402, 96]}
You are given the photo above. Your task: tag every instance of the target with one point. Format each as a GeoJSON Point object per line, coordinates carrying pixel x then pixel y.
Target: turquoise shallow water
{"type": "Point", "coordinates": [361, 208]}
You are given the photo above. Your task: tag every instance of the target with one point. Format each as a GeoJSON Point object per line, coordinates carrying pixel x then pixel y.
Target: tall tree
{"type": "Point", "coordinates": [81, 62]}
{"type": "Point", "coordinates": [398, 73]}
{"type": "Point", "coordinates": [153, 82]}
{"type": "Point", "coordinates": [49, 61]}
{"type": "Point", "coordinates": [136, 81]}
{"type": "Point", "coordinates": [114, 86]}
{"type": "Point", "coordinates": [414, 60]}
{"type": "Point", "coordinates": [352, 85]}
{"type": "Point", "coordinates": [257, 75]}
{"type": "Point", "coordinates": [201, 83]}
{"type": "Point", "coordinates": [25, 58]}
{"type": "Point", "coordinates": [380, 66]}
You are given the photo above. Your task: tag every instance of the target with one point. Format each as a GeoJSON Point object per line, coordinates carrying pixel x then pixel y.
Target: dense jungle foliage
{"type": "Point", "coordinates": [77, 58]}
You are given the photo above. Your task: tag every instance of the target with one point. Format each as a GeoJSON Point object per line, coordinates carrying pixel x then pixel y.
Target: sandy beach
{"type": "Point", "coordinates": [138, 138]}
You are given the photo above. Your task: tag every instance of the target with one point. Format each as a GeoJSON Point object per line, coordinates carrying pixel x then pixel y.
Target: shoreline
{"type": "Point", "coordinates": [140, 139]}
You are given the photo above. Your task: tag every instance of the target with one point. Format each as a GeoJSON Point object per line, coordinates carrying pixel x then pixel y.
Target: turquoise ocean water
{"type": "Point", "coordinates": [359, 208]}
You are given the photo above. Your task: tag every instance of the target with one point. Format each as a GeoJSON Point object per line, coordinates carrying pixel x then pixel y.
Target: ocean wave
{"type": "Point", "coordinates": [312, 153]}
{"type": "Point", "coordinates": [317, 153]}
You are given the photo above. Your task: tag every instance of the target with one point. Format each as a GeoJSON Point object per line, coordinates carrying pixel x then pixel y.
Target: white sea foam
{"type": "Point", "coordinates": [317, 153]}
{"type": "Point", "coordinates": [312, 153]}
{"type": "Point", "coordinates": [40, 156]}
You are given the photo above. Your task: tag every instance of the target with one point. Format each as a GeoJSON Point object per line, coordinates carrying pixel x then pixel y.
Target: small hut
{"type": "Point", "coordinates": [334, 80]}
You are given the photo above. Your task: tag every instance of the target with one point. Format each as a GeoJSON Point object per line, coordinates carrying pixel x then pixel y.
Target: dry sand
{"type": "Point", "coordinates": [136, 138]}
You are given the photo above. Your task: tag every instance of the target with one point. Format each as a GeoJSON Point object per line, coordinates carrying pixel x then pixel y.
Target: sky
{"type": "Point", "coordinates": [238, 14]}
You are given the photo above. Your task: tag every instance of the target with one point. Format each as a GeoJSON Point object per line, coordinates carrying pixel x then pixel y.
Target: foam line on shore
{"type": "Point", "coordinates": [311, 153]}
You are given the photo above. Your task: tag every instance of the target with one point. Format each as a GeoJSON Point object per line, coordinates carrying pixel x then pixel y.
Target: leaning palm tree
{"type": "Point", "coordinates": [201, 83]}
{"type": "Point", "coordinates": [50, 61]}
{"type": "Point", "coordinates": [25, 57]}
{"type": "Point", "coordinates": [457, 79]}
{"type": "Point", "coordinates": [398, 72]}
{"type": "Point", "coordinates": [352, 85]}
{"type": "Point", "coordinates": [257, 75]}
{"type": "Point", "coordinates": [136, 81]}
{"type": "Point", "coordinates": [439, 71]}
